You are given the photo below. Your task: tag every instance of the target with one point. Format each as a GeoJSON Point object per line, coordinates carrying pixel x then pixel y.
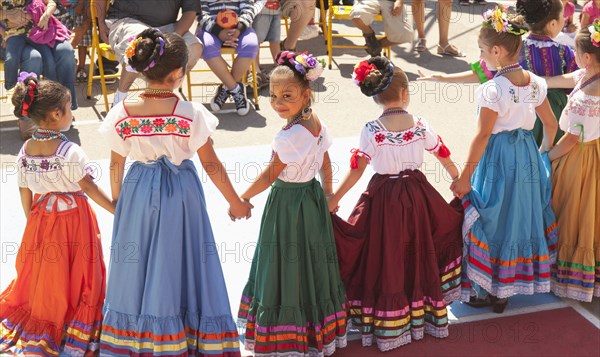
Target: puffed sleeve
{"type": "Point", "coordinates": [327, 139]}
{"type": "Point", "coordinates": [21, 163]}
{"type": "Point", "coordinates": [77, 164]}
{"type": "Point", "coordinates": [543, 89]}
{"type": "Point", "coordinates": [202, 127]}
{"type": "Point", "coordinates": [114, 131]}
{"type": "Point", "coordinates": [291, 147]}
{"type": "Point", "coordinates": [366, 144]}
{"type": "Point", "coordinates": [489, 95]}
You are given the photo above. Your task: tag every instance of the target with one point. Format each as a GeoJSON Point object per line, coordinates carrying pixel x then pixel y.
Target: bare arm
{"type": "Point", "coordinates": [585, 20]}
{"type": "Point", "coordinates": [215, 170]}
{"type": "Point", "coordinates": [101, 13]}
{"type": "Point", "coordinates": [562, 81]}
{"type": "Point", "coordinates": [266, 178]}
{"type": "Point", "coordinates": [462, 77]}
{"type": "Point", "coordinates": [563, 147]}
{"type": "Point", "coordinates": [548, 119]}
{"type": "Point", "coordinates": [26, 200]}
{"type": "Point", "coordinates": [327, 174]}
{"type": "Point", "coordinates": [487, 119]}
{"type": "Point", "coordinates": [90, 188]}
{"type": "Point", "coordinates": [349, 181]}
{"type": "Point", "coordinates": [186, 21]}
{"type": "Point", "coordinates": [117, 169]}
{"type": "Point", "coordinates": [449, 165]}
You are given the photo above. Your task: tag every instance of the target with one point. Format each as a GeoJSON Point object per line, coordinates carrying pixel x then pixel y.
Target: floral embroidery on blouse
{"type": "Point", "coordinates": [33, 164]}
{"type": "Point", "coordinates": [585, 107]}
{"type": "Point", "coordinates": [404, 137]}
{"type": "Point", "coordinates": [149, 127]}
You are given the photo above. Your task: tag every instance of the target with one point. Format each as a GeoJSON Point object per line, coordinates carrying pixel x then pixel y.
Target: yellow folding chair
{"type": "Point", "coordinates": [342, 13]}
{"type": "Point", "coordinates": [102, 50]}
{"type": "Point", "coordinates": [3, 96]}
{"type": "Point", "coordinates": [224, 51]}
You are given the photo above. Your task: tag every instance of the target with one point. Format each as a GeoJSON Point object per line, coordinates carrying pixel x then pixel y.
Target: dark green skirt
{"type": "Point", "coordinates": [558, 102]}
{"type": "Point", "coordinates": [294, 301]}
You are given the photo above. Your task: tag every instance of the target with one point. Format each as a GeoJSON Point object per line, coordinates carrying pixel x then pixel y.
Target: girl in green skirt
{"type": "Point", "coordinates": [294, 302]}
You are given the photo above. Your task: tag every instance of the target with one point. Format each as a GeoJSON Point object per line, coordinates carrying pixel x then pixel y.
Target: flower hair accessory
{"type": "Point", "coordinates": [131, 49]}
{"type": "Point", "coordinates": [361, 71]}
{"type": "Point", "coordinates": [498, 20]}
{"type": "Point", "coordinates": [30, 81]}
{"type": "Point", "coordinates": [364, 68]}
{"type": "Point", "coordinates": [595, 33]}
{"type": "Point", "coordinates": [304, 64]}
{"type": "Point", "coordinates": [24, 75]}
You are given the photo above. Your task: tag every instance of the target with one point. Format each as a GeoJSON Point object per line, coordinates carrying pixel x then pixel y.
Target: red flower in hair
{"type": "Point", "coordinates": [361, 70]}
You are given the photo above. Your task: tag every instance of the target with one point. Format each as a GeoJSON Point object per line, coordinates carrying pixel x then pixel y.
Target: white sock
{"type": "Point", "coordinates": [120, 96]}
{"type": "Point", "coordinates": [236, 89]}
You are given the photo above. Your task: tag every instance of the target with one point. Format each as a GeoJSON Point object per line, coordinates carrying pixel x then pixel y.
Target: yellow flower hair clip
{"type": "Point", "coordinates": [498, 20]}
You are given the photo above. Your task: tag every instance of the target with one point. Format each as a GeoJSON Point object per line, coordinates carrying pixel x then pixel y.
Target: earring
{"type": "Point", "coordinates": [306, 113]}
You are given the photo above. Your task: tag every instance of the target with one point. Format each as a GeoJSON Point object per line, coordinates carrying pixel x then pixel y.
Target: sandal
{"type": "Point", "coordinates": [449, 50]}
{"type": "Point", "coordinates": [421, 45]}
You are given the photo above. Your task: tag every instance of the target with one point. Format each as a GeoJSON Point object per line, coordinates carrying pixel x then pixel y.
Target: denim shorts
{"type": "Point", "coordinates": [267, 28]}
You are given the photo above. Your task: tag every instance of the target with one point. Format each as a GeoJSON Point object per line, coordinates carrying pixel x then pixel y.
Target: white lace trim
{"type": "Point", "coordinates": [452, 295]}
{"type": "Point", "coordinates": [501, 292]}
{"type": "Point", "coordinates": [565, 292]}
{"type": "Point", "coordinates": [541, 44]}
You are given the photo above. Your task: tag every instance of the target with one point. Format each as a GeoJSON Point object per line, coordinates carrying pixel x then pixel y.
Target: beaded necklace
{"type": "Point", "coordinates": [585, 83]}
{"type": "Point", "coordinates": [47, 135]}
{"type": "Point", "coordinates": [507, 69]}
{"type": "Point", "coordinates": [151, 93]}
{"type": "Point", "coordinates": [393, 111]}
{"type": "Point", "coordinates": [304, 114]}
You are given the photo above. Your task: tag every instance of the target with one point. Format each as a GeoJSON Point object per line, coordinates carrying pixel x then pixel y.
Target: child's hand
{"type": "Point", "coordinates": [43, 23]}
{"type": "Point", "coordinates": [571, 28]}
{"type": "Point", "coordinates": [333, 203]}
{"type": "Point", "coordinates": [240, 209]}
{"type": "Point", "coordinates": [461, 187]}
{"type": "Point", "coordinates": [397, 9]}
{"type": "Point", "coordinates": [425, 77]}
{"type": "Point", "coordinates": [229, 37]}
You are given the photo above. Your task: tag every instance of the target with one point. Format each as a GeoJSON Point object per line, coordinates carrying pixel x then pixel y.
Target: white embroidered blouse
{"type": "Point", "coordinates": [301, 151]}
{"type": "Point", "coordinates": [178, 135]}
{"type": "Point", "coordinates": [582, 111]}
{"type": "Point", "coordinates": [391, 152]}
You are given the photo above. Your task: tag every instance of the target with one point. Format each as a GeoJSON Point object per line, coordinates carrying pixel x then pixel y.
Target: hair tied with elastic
{"type": "Point", "coordinates": [595, 33]}
{"type": "Point", "coordinates": [131, 52]}
{"type": "Point", "coordinates": [304, 64]}
{"type": "Point", "coordinates": [498, 20]}
{"type": "Point", "coordinates": [30, 81]}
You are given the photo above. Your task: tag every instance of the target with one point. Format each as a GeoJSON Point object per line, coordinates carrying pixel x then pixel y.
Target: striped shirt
{"type": "Point", "coordinates": [246, 10]}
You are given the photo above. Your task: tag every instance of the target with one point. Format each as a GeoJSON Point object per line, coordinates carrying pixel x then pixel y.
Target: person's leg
{"type": "Point", "coordinates": [193, 44]}
{"type": "Point", "coordinates": [418, 10]}
{"type": "Point", "coordinates": [301, 11]}
{"type": "Point", "coordinates": [212, 57]}
{"type": "Point", "coordinates": [444, 17]}
{"type": "Point", "coordinates": [363, 14]}
{"type": "Point", "coordinates": [246, 52]}
{"type": "Point", "coordinates": [65, 68]}
{"type": "Point", "coordinates": [31, 61]}
{"type": "Point", "coordinates": [398, 29]}
{"type": "Point", "coordinates": [15, 46]}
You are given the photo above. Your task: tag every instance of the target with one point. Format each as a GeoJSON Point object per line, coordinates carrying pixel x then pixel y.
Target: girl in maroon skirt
{"type": "Point", "coordinates": [400, 251]}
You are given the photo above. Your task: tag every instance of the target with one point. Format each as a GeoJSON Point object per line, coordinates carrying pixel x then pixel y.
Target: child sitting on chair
{"type": "Point", "coordinates": [229, 23]}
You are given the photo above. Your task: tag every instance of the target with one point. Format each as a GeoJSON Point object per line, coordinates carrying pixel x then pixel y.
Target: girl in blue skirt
{"type": "Point", "coordinates": [166, 294]}
{"type": "Point", "coordinates": [509, 228]}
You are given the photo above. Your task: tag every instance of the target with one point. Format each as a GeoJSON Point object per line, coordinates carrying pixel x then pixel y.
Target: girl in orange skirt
{"type": "Point", "coordinates": [55, 303]}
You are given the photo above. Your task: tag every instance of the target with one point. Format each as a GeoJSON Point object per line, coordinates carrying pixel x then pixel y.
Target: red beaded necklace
{"type": "Point", "coordinates": [393, 111]}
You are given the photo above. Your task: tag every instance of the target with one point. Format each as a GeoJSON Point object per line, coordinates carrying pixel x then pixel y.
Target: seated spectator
{"type": "Point", "coordinates": [267, 25]}
{"type": "Point", "coordinates": [217, 28]}
{"type": "Point", "coordinates": [127, 18]}
{"type": "Point", "coordinates": [75, 15]}
{"type": "Point", "coordinates": [397, 25]}
{"type": "Point", "coordinates": [31, 23]}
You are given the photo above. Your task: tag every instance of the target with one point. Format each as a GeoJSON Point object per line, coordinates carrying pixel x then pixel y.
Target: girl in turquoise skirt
{"type": "Point", "coordinates": [509, 230]}
{"type": "Point", "coordinates": [294, 302]}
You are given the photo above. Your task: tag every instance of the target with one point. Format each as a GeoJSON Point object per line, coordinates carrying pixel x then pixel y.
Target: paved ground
{"type": "Point", "coordinates": [243, 145]}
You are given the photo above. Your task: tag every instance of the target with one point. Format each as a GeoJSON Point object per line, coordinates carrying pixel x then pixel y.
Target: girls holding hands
{"type": "Point", "coordinates": [511, 230]}
{"type": "Point", "coordinates": [55, 303]}
{"type": "Point", "coordinates": [294, 303]}
{"type": "Point", "coordinates": [575, 175]}
{"type": "Point", "coordinates": [166, 294]}
{"type": "Point", "coordinates": [400, 251]}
